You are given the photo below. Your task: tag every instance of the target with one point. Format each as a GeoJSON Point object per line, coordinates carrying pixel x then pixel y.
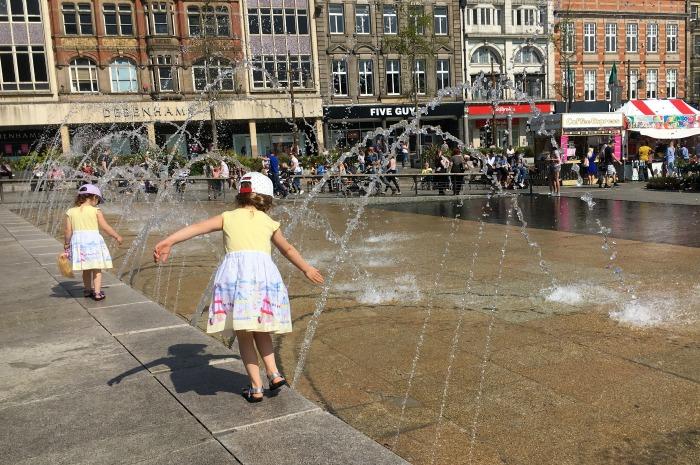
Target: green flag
{"type": "Point", "coordinates": [613, 76]}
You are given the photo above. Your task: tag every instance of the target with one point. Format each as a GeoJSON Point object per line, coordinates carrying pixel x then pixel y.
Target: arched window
{"type": "Point", "coordinates": [484, 56]}
{"type": "Point", "coordinates": [122, 73]}
{"type": "Point", "coordinates": [83, 75]}
{"type": "Point", "coordinates": [527, 56]}
{"type": "Point", "coordinates": [215, 71]}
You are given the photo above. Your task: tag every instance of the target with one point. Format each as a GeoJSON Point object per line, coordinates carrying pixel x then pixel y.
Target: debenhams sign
{"type": "Point", "coordinates": [144, 112]}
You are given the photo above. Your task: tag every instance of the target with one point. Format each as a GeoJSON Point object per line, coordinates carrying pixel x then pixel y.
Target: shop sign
{"type": "Point", "coordinates": [591, 120]}
{"type": "Point", "coordinates": [663, 122]}
{"type": "Point", "coordinates": [21, 135]}
{"type": "Point", "coordinates": [153, 111]}
{"type": "Point", "coordinates": [504, 109]}
{"type": "Point", "coordinates": [389, 111]}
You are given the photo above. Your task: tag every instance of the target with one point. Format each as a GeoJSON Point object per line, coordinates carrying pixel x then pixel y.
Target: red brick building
{"type": "Point", "coordinates": [644, 39]}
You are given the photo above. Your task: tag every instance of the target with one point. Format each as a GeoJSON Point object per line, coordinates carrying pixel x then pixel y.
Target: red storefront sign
{"type": "Point", "coordinates": [503, 109]}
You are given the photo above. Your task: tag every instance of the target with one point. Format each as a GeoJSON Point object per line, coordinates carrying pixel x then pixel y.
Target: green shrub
{"type": "Point", "coordinates": [665, 183]}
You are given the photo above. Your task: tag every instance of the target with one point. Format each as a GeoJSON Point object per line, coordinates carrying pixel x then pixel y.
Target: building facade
{"type": "Point", "coordinates": [693, 52]}
{"type": "Point", "coordinates": [369, 81]}
{"type": "Point", "coordinates": [646, 41]}
{"type": "Point", "coordinates": [509, 58]}
{"type": "Point", "coordinates": [140, 66]}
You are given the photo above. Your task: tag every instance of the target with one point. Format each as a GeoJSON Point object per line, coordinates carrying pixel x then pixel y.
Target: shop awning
{"type": "Point", "coordinates": [662, 119]}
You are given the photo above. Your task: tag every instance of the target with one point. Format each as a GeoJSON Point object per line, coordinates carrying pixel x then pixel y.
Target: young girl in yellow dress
{"type": "Point", "coordinates": [83, 243]}
{"type": "Point", "coordinates": [249, 295]}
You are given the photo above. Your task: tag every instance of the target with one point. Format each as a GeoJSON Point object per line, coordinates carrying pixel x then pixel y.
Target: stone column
{"type": "Point", "coordinates": [65, 139]}
{"type": "Point", "coordinates": [151, 134]}
{"type": "Point", "coordinates": [253, 131]}
{"type": "Point", "coordinates": [320, 142]}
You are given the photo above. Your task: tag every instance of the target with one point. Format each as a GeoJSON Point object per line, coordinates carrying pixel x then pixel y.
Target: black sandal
{"type": "Point", "coordinates": [97, 296]}
{"type": "Point", "coordinates": [278, 384]}
{"type": "Point", "coordinates": [248, 394]}
{"type": "Point", "coordinates": [87, 293]}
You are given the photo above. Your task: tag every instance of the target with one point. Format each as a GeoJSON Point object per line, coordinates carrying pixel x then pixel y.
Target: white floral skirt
{"type": "Point", "coordinates": [249, 295]}
{"type": "Point", "coordinates": [88, 251]}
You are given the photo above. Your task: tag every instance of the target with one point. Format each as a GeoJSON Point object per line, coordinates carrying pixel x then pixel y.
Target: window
{"type": "Point", "coordinates": [208, 21]}
{"type": "Point", "coordinates": [589, 37]}
{"type": "Point", "coordinates": [589, 78]}
{"type": "Point", "coordinates": [671, 83]}
{"type": "Point", "coordinates": [611, 37]}
{"type": "Point", "coordinates": [485, 16]}
{"type": "Point", "coordinates": [278, 21]}
{"type": "Point", "coordinates": [270, 68]}
{"type": "Point", "coordinates": [416, 16]}
{"type": "Point", "coordinates": [696, 45]}
{"type": "Point", "coordinates": [366, 79]}
{"type": "Point", "coordinates": [634, 77]}
{"type": "Point", "coordinates": [608, 92]}
{"type": "Point", "coordinates": [164, 74]}
{"type": "Point", "coordinates": [526, 17]}
{"type": "Point", "coordinates": [527, 56]}
{"type": "Point", "coordinates": [442, 68]}
{"type": "Point", "coordinates": [340, 77]}
{"type": "Point", "coordinates": [568, 38]}
{"type": "Point", "coordinates": [672, 38]}
{"type": "Point", "coordinates": [696, 85]}
{"type": "Point", "coordinates": [391, 21]}
{"type": "Point", "coordinates": [335, 16]}
{"type": "Point", "coordinates": [212, 73]}
{"type": "Point", "coordinates": [20, 11]}
{"type": "Point", "coordinates": [83, 76]}
{"type": "Point", "coordinates": [652, 38]}
{"type": "Point", "coordinates": [23, 67]}
{"type": "Point", "coordinates": [694, 12]}
{"type": "Point", "coordinates": [118, 20]}
{"type": "Point", "coordinates": [122, 73]}
{"type": "Point", "coordinates": [484, 56]}
{"type": "Point", "coordinates": [419, 77]}
{"type": "Point", "coordinates": [159, 19]}
{"type": "Point", "coordinates": [440, 20]}
{"type": "Point", "coordinates": [77, 18]}
{"type": "Point", "coordinates": [530, 84]}
{"type": "Point", "coordinates": [362, 21]}
{"type": "Point", "coordinates": [632, 38]}
{"type": "Point", "coordinates": [393, 77]}
{"type": "Point", "coordinates": [652, 82]}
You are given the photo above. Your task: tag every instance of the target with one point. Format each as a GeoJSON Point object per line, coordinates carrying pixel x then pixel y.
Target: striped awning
{"type": "Point", "coordinates": [662, 119]}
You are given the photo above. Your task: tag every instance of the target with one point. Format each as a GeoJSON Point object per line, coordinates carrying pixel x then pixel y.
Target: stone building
{"type": "Point", "coordinates": [142, 65]}
{"type": "Point", "coordinates": [366, 84]}
{"type": "Point", "coordinates": [26, 68]}
{"type": "Point", "coordinates": [507, 40]}
{"type": "Point", "coordinates": [646, 40]}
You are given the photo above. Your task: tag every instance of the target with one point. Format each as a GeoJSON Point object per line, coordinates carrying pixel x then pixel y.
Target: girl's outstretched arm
{"type": "Point", "coordinates": [162, 249]}
{"type": "Point", "coordinates": [291, 254]}
{"type": "Point", "coordinates": [102, 222]}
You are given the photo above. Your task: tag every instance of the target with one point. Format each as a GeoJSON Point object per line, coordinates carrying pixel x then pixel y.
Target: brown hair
{"type": "Point", "coordinates": [82, 198]}
{"type": "Point", "coordinates": [261, 202]}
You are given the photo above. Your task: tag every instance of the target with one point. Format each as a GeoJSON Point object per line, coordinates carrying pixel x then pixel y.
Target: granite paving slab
{"type": "Point", "coordinates": [211, 393]}
{"type": "Point", "coordinates": [176, 348]}
{"type": "Point", "coordinates": [136, 317]}
{"type": "Point", "coordinates": [102, 425]}
{"type": "Point", "coordinates": [116, 295]}
{"type": "Point", "coordinates": [314, 438]}
{"type": "Point", "coordinates": [207, 453]}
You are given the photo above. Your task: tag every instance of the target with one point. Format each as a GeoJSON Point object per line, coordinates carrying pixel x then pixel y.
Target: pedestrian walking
{"type": "Point", "coordinates": [391, 169]}
{"type": "Point", "coordinates": [83, 245]}
{"type": "Point", "coordinates": [645, 156]}
{"type": "Point", "coordinates": [670, 159]}
{"type": "Point", "coordinates": [403, 149]}
{"type": "Point", "coordinates": [554, 171]}
{"type": "Point", "coordinates": [457, 169]}
{"type": "Point", "coordinates": [249, 295]}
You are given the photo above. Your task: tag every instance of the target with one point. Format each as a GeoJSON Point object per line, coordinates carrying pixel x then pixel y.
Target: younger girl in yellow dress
{"type": "Point", "coordinates": [249, 295]}
{"type": "Point", "coordinates": [83, 243]}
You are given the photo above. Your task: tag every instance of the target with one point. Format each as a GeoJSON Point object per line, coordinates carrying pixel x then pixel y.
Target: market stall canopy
{"type": "Point", "coordinates": [662, 119]}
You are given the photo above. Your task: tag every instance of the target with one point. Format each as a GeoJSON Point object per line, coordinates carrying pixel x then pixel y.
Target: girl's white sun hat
{"type": "Point", "coordinates": [257, 183]}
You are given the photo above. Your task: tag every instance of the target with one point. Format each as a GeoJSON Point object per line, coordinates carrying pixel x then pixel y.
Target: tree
{"type": "Point", "coordinates": [564, 42]}
{"type": "Point", "coordinates": [210, 29]}
{"type": "Point", "coordinates": [413, 42]}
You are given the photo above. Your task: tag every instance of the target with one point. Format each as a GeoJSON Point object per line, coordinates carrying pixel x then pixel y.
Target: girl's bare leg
{"type": "Point", "coordinates": [97, 281]}
{"type": "Point", "coordinates": [246, 346]}
{"type": "Point", "coordinates": [87, 279]}
{"type": "Point", "coordinates": [263, 341]}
